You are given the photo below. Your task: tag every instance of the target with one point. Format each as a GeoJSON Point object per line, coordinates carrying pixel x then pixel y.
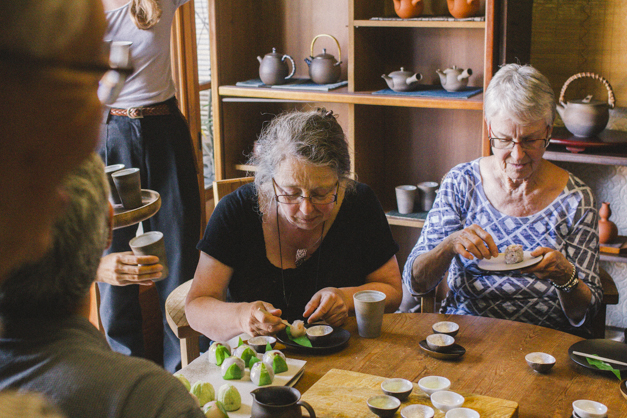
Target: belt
{"type": "Point", "coordinates": [140, 112]}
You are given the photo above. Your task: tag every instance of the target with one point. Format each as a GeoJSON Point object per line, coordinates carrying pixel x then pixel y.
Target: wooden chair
{"type": "Point", "coordinates": [430, 301]}
{"type": "Point", "coordinates": [175, 303]}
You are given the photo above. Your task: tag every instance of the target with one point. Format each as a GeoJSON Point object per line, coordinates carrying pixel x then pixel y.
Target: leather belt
{"type": "Point", "coordinates": [140, 112]}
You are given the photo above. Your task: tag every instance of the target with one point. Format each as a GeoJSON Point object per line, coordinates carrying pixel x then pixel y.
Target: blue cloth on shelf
{"type": "Point", "coordinates": [434, 91]}
{"type": "Point", "coordinates": [293, 84]}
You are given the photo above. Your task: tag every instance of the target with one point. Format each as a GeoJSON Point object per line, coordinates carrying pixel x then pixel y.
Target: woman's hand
{"type": "Point", "coordinates": [261, 318]}
{"type": "Point", "coordinates": [473, 241]}
{"type": "Point", "coordinates": [122, 269]}
{"type": "Point", "coordinates": [554, 266]}
{"type": "Point", "coordinates": [329, 305]}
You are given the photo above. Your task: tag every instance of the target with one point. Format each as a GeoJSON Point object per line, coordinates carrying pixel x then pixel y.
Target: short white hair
{"type": "Point", "coordinates": [519, 93]}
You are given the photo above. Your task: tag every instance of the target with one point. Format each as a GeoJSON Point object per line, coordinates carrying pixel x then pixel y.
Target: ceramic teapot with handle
{"type": "Point", "coordinates": [324, 68]}
{"type": "Point", "coordinates": [586, 117]}
{"type": "Point", "coordinates": [402, 80]}
{"type": "Point", "coordinates": [461, 9]}
{"type": "Point", "coordinates": [273, 68]}
{"type": "Point", "coordinates": [278, 402]}
{"type": "Point", "coordinates": [406, 9]}
{"type": "Point", "coordinates": [454, 79]}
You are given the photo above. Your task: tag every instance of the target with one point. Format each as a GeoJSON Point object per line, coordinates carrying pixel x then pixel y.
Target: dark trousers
{"type": "Point", "coordinates": [160, 147]}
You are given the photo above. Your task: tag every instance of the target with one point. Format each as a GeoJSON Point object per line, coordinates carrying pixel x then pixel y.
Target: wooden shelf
{"type": "Point", "coordinates": [419, 24]}
{"type": "Point", "coordinates": [395, 218]}
{"type": "Point", "coordinates": [616, 154]}
{"type": "Point", "coordinates": [342, 95]}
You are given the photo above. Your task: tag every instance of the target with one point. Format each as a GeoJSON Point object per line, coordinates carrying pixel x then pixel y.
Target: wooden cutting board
{"type": "Point", "coordinates": [342, 393]}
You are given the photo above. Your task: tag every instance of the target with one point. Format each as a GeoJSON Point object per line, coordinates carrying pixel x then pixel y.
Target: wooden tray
{"type": "Point", "coordinates": [342, 393]}
{"type": "Point", "coordinates": [606, 139]}
{"type": "Point", "coordinates": [151, 203]}
{"type": "Point", "coordinates": [617, 247]}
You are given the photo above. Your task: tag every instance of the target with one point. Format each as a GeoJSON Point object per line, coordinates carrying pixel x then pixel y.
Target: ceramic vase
{"type": "Point", "coordinates": [608, 231]}
{"type": "Point", "coordinates": [461, 9]}
{"type": "Point", "coordinates": [406, 9]}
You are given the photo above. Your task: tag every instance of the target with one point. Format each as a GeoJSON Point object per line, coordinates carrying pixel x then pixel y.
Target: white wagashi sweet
{"type": "Point", "coordinates": [218, 352]}
{"type": "Point", "coordinates": [233, 368]}
{"type": "Point", "coordinates": [275, 360]}
{"type": "Point", "coordinates": [513, 254]}
{"type": "Point", "coordinates": [261, 374]}
{"type": "Point", "coordinates": [297, 329]}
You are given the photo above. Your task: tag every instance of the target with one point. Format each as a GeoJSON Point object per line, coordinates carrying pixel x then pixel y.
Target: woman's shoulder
{"type": "Point", "coordinates": [464, 172]}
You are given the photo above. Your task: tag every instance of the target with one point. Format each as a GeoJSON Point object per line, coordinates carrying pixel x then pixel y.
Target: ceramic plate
{"type": "Point", "coordinates": [610, 349]}
{"type": "Point", "coordinates": [455, 351]}
{"type": "Point", "coordinates": [498, 263]}
{"type": "Point", "coordinates": [336, 340]}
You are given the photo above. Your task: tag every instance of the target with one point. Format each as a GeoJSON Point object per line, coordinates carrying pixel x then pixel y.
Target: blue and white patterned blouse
{"type": "Point", "coordinates": [569, 224]}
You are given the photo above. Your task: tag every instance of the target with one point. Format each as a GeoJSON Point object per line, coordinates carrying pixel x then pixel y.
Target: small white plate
{"type": "Point", "coordinates": [498, 263]}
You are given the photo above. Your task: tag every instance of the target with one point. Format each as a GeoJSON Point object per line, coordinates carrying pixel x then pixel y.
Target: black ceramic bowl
{"type": "Point", "coordinates": [383, 405]}
{"type": "Point", "coordinates": [259, 343]}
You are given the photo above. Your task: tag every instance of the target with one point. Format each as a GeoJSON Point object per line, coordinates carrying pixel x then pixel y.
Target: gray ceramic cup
{"type": "Point", "coordinates": [114, 197]}
{"type": "Point", "coordinates": [405, 198]}
{"type": "Point", "coordinates": [151, 243]}
{"type": "Point", "coordinates": [428, 190]}
{"type": "Point", "coordinates": [128, 185]}
{"type": "Point", "coordinates": [369, 309]}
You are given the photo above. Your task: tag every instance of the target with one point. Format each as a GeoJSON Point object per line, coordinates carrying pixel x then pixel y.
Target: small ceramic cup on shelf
{"type": "Point", "coordinates": [428, 190]}
{"type": "Point", "coordinates": [405, 198]}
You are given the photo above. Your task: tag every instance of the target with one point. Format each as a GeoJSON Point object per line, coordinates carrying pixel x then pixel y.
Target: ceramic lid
{"type": "Point", "coordinates": [324, 55]}
{"type": "Point", "coordinates": [402, 72]}
{"type": "Point", "coordinates": [274, 54]}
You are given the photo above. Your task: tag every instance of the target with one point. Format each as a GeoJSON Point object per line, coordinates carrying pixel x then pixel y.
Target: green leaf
{"type": "Point", "coordinates": [252, 360]}
{"type": "Point", "coordinates": [233, 373]}
{"type": "Point", "coordinates": [264, 376]}
{"type": "Point", "coordinates": [601, 365]}
{"type": "Point", "coordinates": [268, 347]}
{"type": "Point", "coordinates": [278, 364]}
{"type": "Point", "coordinates": [239, 341]}
{"type": "Point", "coordinates": [303, 340]}
{"type": "Point", "coordinates": [222, 353]}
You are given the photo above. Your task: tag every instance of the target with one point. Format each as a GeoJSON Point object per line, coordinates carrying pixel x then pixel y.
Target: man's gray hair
{"type": "Point", "coordinates": [313, 137]}
{"type": "Point", "coordinates": [521, 94]}
{"type": "Point", "coordinates": [55, 285]}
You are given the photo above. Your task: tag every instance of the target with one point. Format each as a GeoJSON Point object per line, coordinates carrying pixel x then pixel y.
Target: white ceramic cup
{"type": "Point", "coordinates": [369, 308]}
{"type": "Point", "coordinates": [589, 409]}
{"type": "Point", "coordinates": [151, 243]}
{"type": "Point", "coordinates": [427, 194]}
{"type": "Point", "coordinates": [120, 54]}
{"type": "Point", "coordinates": [405, 198]}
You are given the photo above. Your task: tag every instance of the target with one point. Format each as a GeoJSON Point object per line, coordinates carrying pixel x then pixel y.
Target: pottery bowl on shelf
{"type": "Point", "coordinates": [399, 388]}
{"type": "Point", "coordinates": [432, 384]}
{"type": "Point", "coordinates": [540, 362]}
{"type": "Point", "coordinates": [259, 343]}
{"type": "Point", "coordinates": [440, 342]}
{"type": "Point", "coordinates": [417, 411]}
{"type": "Point", "coordinates": [462, 413]}
{"type": "Point", "coordinates": [318, 332]}
{"type": "Point", "coordinates": [383, 406]}
{"type": "Point", "coordinates": [446, 327]}
{"type": "Point", "coordinates": [446, 400]}
{"type": "Point", "coordinates": [589, 409]}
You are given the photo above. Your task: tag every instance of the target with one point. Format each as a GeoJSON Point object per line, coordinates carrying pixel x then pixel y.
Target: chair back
{"type": "Point", "coordinates": [223, 187]}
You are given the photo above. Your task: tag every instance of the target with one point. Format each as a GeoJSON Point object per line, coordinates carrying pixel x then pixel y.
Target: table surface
{"type": "Point", "coordinates": [494, 364]}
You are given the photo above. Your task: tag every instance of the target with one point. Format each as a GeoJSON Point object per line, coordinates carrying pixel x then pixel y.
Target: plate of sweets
{"type": "Point", "coordinates": [514, 258]}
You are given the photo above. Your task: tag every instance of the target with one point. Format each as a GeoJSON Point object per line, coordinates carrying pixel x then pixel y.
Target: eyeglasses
{"type": "Point", "coordinates": [526, 144]}
{"type": "Point", "coordinates": [297, 199]}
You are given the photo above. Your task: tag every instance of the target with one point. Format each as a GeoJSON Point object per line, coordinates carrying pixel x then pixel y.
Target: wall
{"type": "Point", "coordinates": [572, 36]}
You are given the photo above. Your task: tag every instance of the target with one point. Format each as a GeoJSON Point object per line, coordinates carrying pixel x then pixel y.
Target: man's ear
{"type": "Point", "coordinates": [110, 225]}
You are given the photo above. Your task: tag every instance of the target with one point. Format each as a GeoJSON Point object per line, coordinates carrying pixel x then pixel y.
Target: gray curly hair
{"type": "Point", "coordinates": [314, 137]}
{"type": "Point", "coordinates": [519, 93]}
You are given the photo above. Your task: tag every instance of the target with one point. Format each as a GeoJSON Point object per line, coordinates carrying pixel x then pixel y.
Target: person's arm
{"type": "Point", "coordinates": [123, 269]}
{"type": "Point", "coordinates": [208, 312]}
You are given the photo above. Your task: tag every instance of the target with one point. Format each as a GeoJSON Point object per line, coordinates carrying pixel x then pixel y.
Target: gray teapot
{"type": "Point", "coordinates": [278, 402]}
{"type": "Point", "coordinates": [273, 68]}
{"type": "Point", "coordinates": [324, 68]}
{"type": "Point", "coordinates": [402, 80]}
{"type": "Point", "coordinates": [454, 79]}
{"type": "Point", "coordinates": [586, 117]}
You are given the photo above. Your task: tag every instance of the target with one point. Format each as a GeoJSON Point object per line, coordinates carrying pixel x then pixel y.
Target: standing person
{"type": "Point", "coordinates": [145, 129]}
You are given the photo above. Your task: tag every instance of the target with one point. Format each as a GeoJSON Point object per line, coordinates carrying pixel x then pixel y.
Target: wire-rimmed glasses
{"type": "Point", "coordinates": [526, 144]}
{"type": "Point", "coordinates": [297, 199]}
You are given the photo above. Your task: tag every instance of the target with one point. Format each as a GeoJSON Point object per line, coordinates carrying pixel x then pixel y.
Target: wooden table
{"type": "Point", "coordinates": [494, 364]}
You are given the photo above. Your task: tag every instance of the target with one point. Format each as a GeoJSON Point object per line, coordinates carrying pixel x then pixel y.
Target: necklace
{"type": "Point", "coordinates": [301, 253]}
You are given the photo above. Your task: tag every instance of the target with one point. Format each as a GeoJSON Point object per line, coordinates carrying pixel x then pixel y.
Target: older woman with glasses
{"type": "Point", "coordinates": [513, 197]}
{"type": "Point", "coordinates": [298, 242]}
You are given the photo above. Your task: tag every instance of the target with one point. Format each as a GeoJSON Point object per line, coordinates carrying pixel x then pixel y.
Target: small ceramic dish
{"type": "Point", "coordinates": [399, 388]}
{"type": "Point", "coordinates": [540, 362]}
{"type": "Point", "coordinates": [259, 343]}
{"type": "Point", "coordinates": [462, 413]}
{"type": "Point", "coordinates": [417, 411]}
{"type": "Point", "coordinates": [383, 405]}
{"type": "Point", "coordinates": [589, 409]}
{"type": "Point", "coordinates": [446, 327]}
{"type": "Point", "coordinates": [446, 400]}
{"type": "Point", "coordinates": [432, 384]}
{"type": "Point", "coordinates": [452, 353]}
{"type": "Point", "coordinates": [440, 342]}
{"type": "Point", "coordinates": [318, 332]}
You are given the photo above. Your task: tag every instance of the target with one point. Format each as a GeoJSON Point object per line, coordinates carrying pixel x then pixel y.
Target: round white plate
{"type": "Point", "coordinates": [498, 263]}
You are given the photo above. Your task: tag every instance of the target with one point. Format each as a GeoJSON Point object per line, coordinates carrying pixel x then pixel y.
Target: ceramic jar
{"type": "Point", "coordinates": [461, 9]}
{"type": "Point", "coordinates": [608, 231]}
{"type": "Point", "coordinates": [406, 9]}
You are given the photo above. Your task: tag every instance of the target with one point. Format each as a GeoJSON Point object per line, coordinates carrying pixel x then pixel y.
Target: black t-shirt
{"type": "Point", "coordinates": [358, 243]}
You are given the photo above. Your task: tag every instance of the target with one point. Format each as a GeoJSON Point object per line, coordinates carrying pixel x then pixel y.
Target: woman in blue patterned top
{"type": "Point", "coordinates": [514, 196]}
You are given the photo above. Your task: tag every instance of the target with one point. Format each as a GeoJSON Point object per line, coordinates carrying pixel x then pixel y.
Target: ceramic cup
{"type": "Point", "coordinates": [151, 243]}
{"type": "Point", "coordinates": [405, 197]}
{"type": "Point", "coordinates": [369, 308]}
{"type": "Point", "coordinates": [114, 197]}
{"type": "Point", "coordinates": [427, 194]}
{"type": "Point", "coordinates": [120, 54]}
{"type": "Point", "coordinates": [128, 185]}
{"type": "Point", "coordinates": [589, 409]}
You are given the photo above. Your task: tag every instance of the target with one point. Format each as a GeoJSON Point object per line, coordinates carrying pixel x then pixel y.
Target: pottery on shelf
{"type": "Point", "coordinates": [406, 9]}
{"type": "Point", "coordinates": [454, 79]}
{"type": "Point", "coordinates": [608, 231]}
{"type": "Point", "coordinates": [273, 68]}
{"type": "Point", "coordinates": [461, 9]}
{"type": "Point", "coordinates": [324, 68]}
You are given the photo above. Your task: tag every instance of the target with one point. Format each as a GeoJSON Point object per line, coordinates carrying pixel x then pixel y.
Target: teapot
{"type": "Point", "coordinates": [454, 79]}
{"type": "Point", "coordinates": [406, 9]}
{"type": "Point", "coordinates": [402, 80]}
{"type": "Point", "coordinates": [278, 402]}
{"type": "Point", "coordinates": [586, 117]}
{"type": "Point", "coordinates": [273, 68]}
{"type": "Point", "coordinates": [461, 9]}
{"type": "Point", "coordinates": [324, 68]}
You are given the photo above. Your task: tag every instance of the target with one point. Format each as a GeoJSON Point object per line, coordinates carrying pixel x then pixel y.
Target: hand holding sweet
{"type": "Point", "coordinates": [327, 304]}
{"type": "Point", "coordinates": [123, 269]}
{"type": "Point", "coordinates": [261, 318]}
{"type": "Point", "coordinates": [473, 242]}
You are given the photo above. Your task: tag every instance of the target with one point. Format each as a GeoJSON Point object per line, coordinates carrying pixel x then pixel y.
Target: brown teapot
{"type": "Point", "coordinates": [586, 117]}
{"type": "Point", "coordinates": [324, 68]}
{"type": "Point", "coordinates": [406, 9]}
{"type": "Point", "coordinates": [461, 9]}
{"type": "Point", "coordinates": [273, 68]}
{"type": "Point", "coordinates": [278, 402]}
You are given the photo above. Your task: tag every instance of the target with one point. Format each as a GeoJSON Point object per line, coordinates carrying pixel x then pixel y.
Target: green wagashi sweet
{"type": "Point", "coordinates": [245, 352]}
{"type": "Point", "coordinates": [218, 352]}
{"type": "Point", "coordinates": [215, 409]}
{"type": "Point", "coordinates": [232, 368]}
{"type": "Point", "coordinates": [275, 360]}
{"type": "Point", "coordinates": [261, 375]}
{"type": "Point", "coordinates": [230, 397]}
{"type": "Point", "coordinates": [204, 392]}
{"type": "Point", "coordinates": [184, 381]}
